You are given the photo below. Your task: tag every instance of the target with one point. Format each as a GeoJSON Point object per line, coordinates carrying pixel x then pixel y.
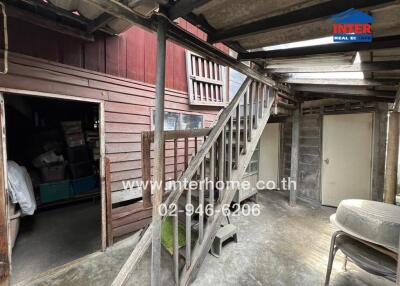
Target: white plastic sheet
{"type": "Point", "coordinates": [20, 188]}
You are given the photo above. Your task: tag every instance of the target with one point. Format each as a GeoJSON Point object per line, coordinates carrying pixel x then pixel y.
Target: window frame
{"type": "Point", "coordinates": [180, 114]}
{"type": "Point", "coordinates": [206, 82]}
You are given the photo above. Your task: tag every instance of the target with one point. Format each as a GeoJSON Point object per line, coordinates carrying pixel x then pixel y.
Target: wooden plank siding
{"type": "Point", "coordinates": [120, 72]}
{"type": "Point", "coordinates": [130, 55]}
{"type": "Point", "coordinates": [128, 107]}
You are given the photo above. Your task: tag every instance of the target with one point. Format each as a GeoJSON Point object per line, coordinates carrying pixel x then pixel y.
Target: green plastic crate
{"type": "Point", "coordinates": [55, 191]}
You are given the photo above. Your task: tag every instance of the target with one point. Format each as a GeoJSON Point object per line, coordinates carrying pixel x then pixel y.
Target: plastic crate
{"type": "Point", "coordinates": [84, 185]}
{"type": "Point", "coordinates": [56, 191]}
{"type": "Point", "coordinates": [82, 169]}
{"type": "Point", "coordinates": [53, 173]}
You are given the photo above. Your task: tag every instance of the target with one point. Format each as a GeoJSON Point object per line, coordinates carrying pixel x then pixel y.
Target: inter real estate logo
{"type": "Point", "coordinates": [352, 26]}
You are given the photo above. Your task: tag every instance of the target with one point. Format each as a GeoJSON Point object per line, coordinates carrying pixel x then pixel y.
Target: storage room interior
{"type": "Point", "coordinates": [53, 165]}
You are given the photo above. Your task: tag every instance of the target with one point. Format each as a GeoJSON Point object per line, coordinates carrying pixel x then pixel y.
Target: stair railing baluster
{"type": "Point", "coordinates": [230, 147]}
{"type": "Point", "coordinates": [251, 102]}
{"type": "Point", "coordinates": [188, 226]}
{"type": "Point", "coordinates": [212, 180]}
{"type": "Point", "coordinates": [237, 150]}
{"type": "Point", "coordinates": [262, 93]}
{"type": "Point", "coordinates": [175, 159]}
{"type": "Point", "coordinates": [201, 203]}
{"type": "Point", "coordinates": [245, 120]}
{"type": "Point", "coordinates": [175, 225]}
{"type": "Point", "coordinates": [221, 161]}
{"type": "Point", "coordinates": [186, 152]}
{"type": "Point", "coordinates": [256, 104]}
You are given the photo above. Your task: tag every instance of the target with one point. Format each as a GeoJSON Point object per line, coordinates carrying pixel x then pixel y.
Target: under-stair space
{"type": "Point", "coordinates": [194, 213]}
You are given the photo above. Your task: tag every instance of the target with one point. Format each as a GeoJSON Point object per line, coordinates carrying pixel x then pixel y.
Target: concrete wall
{"type": "Point", "coordinates": [308, 185]}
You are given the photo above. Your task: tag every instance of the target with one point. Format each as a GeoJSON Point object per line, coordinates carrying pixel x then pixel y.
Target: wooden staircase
{"type": "Point", "coordinates": [223, 156]}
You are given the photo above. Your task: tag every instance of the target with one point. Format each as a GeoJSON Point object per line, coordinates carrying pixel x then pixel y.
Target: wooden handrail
{"type": "Point", "coordinates": [180, 134]}
{"type": "Point", "coordinates": [220, 145]}
{"type": "Point", "coordinates": [211, 139]}
{"type": "Point", "coordinates": [175, 135]}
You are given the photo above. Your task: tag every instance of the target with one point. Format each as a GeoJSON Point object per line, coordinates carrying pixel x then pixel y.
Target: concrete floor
{"type": "Point", "coordinates": [282, 246]}
{"type": "Point", "coordinates": [54, 237]}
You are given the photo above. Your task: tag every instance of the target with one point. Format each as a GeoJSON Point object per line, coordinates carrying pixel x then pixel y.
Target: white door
{"type": "Point", "coordinates": [269, 153]}
{"type": "Point", "coordinates": [347, 157]}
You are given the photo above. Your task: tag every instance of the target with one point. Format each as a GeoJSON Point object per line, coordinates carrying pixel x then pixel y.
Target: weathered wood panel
{"type": "Point", "coordinates": [129, 55]}
{"type": "Point", "coordinates": [128, 108]}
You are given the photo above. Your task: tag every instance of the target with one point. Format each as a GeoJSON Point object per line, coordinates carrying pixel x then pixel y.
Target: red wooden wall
{"type": "Point", "coordinates": [130, 55]}
{"type": "Point", "coordinates": [63, 65]}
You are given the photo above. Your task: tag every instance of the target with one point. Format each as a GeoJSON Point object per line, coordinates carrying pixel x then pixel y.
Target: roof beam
{"type": "Point", "coordinates": [184, 7]}
{"type": "Point", "coordinates": [40, 21]}
{"type": "Point", "coordinates": [56, 10]}
{"type": "Point", "coordinates": [349, 90]}
{"type": "Point", "coordinates": [346, 82]}
{"type": "Point", "coordinates": [187, 40]}
{"type": "Point", "coordinates": [296, 17]}
{"type": "Point", "coordinates": [99, 22]}
{"type": "Point", "coordinates": [312, 96]}
{"type": "Point", "coordinates": [362, 67]}
{"type": "Point", "coordinates": [376, 44]}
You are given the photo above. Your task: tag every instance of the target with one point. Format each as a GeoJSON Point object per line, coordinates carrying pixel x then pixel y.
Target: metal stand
{"type": "Point", "coordinates": [372, 258]}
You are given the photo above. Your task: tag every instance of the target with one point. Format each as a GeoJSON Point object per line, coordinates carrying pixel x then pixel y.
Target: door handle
{"type": "Point", "coordinates": [326, 161]}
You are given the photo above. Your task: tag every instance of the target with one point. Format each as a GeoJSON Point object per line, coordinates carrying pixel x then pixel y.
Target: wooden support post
{"type": "Point", "coordinates": [158, 155]}
{"type": "Point", "coordinates": [392, 156]}
{"type": "Point", "coordinates": [175, 227]}
{"type": "Point", "coordinates": [245, 121]}
{"type": "Point", "coordinates": [146, 169]}
{"type": "Point", "coordinates": [176, 159]}
{"type": "Point", "coordinates": [294, 166]}
{"type": "Point", "coordinates": [212, 177]}
{"type": "Point", "coordinates": [108, 202]}
{"type": "Point", "coordinates": [398, 269]}
{"type": "Point", "coordinates": [186, 153]}
{"type": "Point", "coordinates": [5, 247]}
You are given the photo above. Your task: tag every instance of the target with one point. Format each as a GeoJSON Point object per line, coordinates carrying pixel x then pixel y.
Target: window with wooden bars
{"type": "Point", "coordinates": [207, 81]}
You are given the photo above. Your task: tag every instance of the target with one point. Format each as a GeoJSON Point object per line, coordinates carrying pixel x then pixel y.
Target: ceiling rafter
{"type": "Point", "coordinates": [378, 43]}
{"type": "Point", "coordinates": [184, 7]}
{"type": "Point", "coordinates": [362, 67]}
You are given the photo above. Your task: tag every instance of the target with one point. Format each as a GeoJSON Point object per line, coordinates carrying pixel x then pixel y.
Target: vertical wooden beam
{"type": "Point", "coordinates": [256, 104]}
{"type": "Point", "coordinates": [175, 226]}
{"type": "Point", "coordinates": [176, 159]}
{"type": "Point", "coordinates": [158, 155]}
{"type": "Point", "coordinates": [186, 155]}
{"type": "Point", "coordinates": [212, 177]}
{"type": "Point", "coordinates": [146, 169]}
{"type": "Point", "coordinates": [392, 156]}
{"type": "Point", "coordinates": [379, 152]}
{"type": "Point", "coordinates": [230, 149]}
{"type": "Point", "coordinates": [294, 166]}
{"type": "Point", "coordinates": [4, 229]}
{"type": "Point", "coordinates": [237, 150]}
{"type": "Point", "coordinates": [221, 159]}
{"type": "Point", "coordinates": [108, 202]}
{"type": "Point", "coordinates": [398, 269]}
{"type": "Point", "coordinates": [201, 202]}
{"type": "Point", "coordinates": [245, 121]}
{"type": "Point", "coordinates": [253, 86]}
{"type": "Point", "coordinates": [188, 228]}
